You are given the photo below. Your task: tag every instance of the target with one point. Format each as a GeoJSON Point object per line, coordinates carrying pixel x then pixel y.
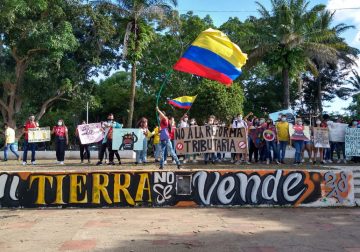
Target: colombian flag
{"type": "Point", "coordinates": [183, 102]}
{"type": "Point", "coordinates": [212, 55]}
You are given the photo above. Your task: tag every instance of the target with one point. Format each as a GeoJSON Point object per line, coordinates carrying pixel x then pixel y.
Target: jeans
{"type": "Point", "coordinates": [167, 144]}
{"type": "Point", "coordinates": [340, 146]}
{"type": "Point", "coordinates": [60, 149]}
{"type": "Point", "coordinates": [298, 147]}
{"type": "Point", "coordinates": [29, 146]}
{"type": "Point", "coordinates": [263, 152]}
{"type": "Point", "coordinates": [141, 154]}
{"type": "Point", "coordinates": [253, 150]}
{"type": "Point", "coordinates": [282, 150]}
{"type": "Point", "coordinates": [272, 145]}
{"type": "Point", "coordinates": [84, 148]}
{"type": "Point", "coordinates": [157, 151]}
{"type": "Point", "coordinates": [333, 147]}
{"type": "Point", "coordinates": [12, 148]}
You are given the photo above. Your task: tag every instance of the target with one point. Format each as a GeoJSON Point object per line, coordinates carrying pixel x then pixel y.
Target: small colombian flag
{"type": "Point", "coordinates": [183, 102]}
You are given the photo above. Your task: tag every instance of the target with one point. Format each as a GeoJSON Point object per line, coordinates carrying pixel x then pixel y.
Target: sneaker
{"type": "Point", "coordinates": [310, 161]}
{"type": "Point", "coordinates": [329, 161]}
{"type": "Point", "coordinates": [219, 160]}
{"type": "Point", "coordinates": [267, 162]}
{"type": "Point", "coordinates": [248, 163]}
{"type": "Point", "coordinates": [111, 163]}
{"type": "Point", "coordinates": [33, 163]}
{"type": "Point", "coordinates": [119, 162]}
{"type": "Point", "coordinates": [161, 167]}
{"type": "Point", "coordinates": [174, 162]}
{"type": "Point", "coordinates": [165, 162]}
{"type": "Point", "coordinates": [99, 163]}
{"type": "Point", "coordinates": [61, 163]}
{"type": "Point", "coordinates": [184, 161]}
{"type": "Point", "coordinates": [237, 162]}
{"type": "Point", "coordinates": [277, 162]}
{"type": "Point", "coordinates": [82, 161]}
{"type": "Point", "coordinates": [195, 161]}
{"type": "Point", "coordinates": [302, 160]}
{"type": "Point", "coordinates": [339, 161]}
{"type": "Point", "coordinates": [23, 163]}
{"type": "Point", "coordinates": [295, 163]}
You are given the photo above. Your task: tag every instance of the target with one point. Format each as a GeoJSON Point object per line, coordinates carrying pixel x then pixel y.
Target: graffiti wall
{"type": "Point", "coordinates": [180, 188]}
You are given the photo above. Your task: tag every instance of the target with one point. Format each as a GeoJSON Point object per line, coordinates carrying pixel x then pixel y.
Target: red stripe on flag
{"type": "Point", "coordinates": [188, 66]}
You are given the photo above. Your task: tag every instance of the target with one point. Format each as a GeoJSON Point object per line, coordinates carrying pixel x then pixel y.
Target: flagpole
{"type": "Point", "coordinates": [168, 74]}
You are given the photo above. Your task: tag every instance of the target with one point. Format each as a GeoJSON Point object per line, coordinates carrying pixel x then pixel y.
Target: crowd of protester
{"type": "Point", "coordinates": [162, 139]}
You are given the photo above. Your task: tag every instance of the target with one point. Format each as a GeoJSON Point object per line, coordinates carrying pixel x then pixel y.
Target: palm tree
{"type": "Point", "coordinates": [291, 39]}
{"type": "Point", "coordinates": [135, 18]}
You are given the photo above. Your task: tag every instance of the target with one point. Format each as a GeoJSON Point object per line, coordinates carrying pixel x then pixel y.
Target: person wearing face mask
{"type": "Point", "coordinates": [210, 156]}
{"type": "Point", "coordinates": [141, 154]}
{"type": "Point", "coordinates": [308, 146]}
{"type": "Point", "coordinates": [107, 141]}
{"type": "Point", "coordinates": [262, 146]}
{"type": "Point", "coordinates": [272, 144]}
{"type": "Point", "coordinates": [184, 123]}
{"type": "Point", "coordinates": [239, 123]}
{"type": "Point", "coordinates": [318, 124]}
{"type": "Point", "coordinates": [30, 124]}
{"type": "Point", "coordinates": [298, 144]}
{"type": "Point", "coordinates": [283, 137]}
{"type": "Point", "coordinates": [193, 123]}
{"type": "Point", "coordinates": [61, 139]}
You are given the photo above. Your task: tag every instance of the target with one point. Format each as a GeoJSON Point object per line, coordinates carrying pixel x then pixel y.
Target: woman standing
{"type": "Point", "coordinates": [61, 139]}
{"type": "Point", "coordinates": [318, 124]}
{"type": "Point", "coordinates": [298, 143]}
{"type": "Point", "coordinates": [84, 148]}
{"type": "Point", "coordinates": [141, 154]}
{"type": "Point", "coordinates": [271, 144]}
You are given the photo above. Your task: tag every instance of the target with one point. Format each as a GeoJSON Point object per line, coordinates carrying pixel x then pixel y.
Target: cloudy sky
{"type": "Point", "coordinates": [220, 11]}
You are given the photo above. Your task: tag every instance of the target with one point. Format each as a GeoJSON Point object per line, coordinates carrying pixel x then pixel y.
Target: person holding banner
{"type": "Point", "coordinates": [298, 143]}
{"type": "Point", "coordinates": [271, 142]}
{"type": "Point", "coordinates": [239, 123]}
{"type": "Point", "coordinates": [318, 124]}
{"type": "Point", "coordinates": [107, 141]}
{"type": "Point", "coordinates": [61, 139]}
{"type": "Point", "coordinates": [29, 124]}
{"type": "Point", "coordinates": [84, 148]}
{"type": "Point", "coordinates": [211, 122]}
{"type": "Point", "coordinates": [283, 137]}
{"type": "Point", "coordinates": [165, 139]}
{"type": "Point", "coordinates": [9, 142]}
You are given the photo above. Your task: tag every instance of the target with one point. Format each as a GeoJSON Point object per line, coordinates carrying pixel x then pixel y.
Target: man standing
{"type": "Point", "coordinates": [9, 142]}
{"type": "Point", "coordinates": [107, 141]}
{"type": "Point", "coordinates": [282, 129]}
{"type": "Point", "coordinates": [30, 124]}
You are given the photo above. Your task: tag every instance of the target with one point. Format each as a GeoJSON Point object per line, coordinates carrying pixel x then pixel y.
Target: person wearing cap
{"type": "Point", "coordinates": [29, 124]}
{"type": "Point", "coordinates": [61, 140]}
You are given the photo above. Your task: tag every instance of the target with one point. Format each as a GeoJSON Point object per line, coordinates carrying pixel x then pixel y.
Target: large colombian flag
{"type": "Point", "coordinates": [183, 102]}
{"type": "Point", "coordinates": [212, 55]}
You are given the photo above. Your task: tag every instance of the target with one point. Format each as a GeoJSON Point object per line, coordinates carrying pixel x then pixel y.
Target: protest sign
{"type": "Point", "coordinates": [269, 135]}
{"type": "Point", "coordinates": [37, 135]}
{"type": "Point", "coordinates": [337, 132]}
{"type": "Point", "coordinates": [290, 115]}
{"type": "Point", "coordinates": [127, 139]}
{"type": "Point", "coordinates": [321, 137]}
{"type": "Point", "coordinates": [90, 133]}
{"type": "Point", "coordinates": [297, 132]}
{"type": "Point", "coordinates": [210, 139]}
{"type": "Point", "coordinates": [352, 142]}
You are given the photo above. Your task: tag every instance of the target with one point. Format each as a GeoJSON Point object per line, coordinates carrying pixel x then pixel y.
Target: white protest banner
{"type": "Point", "coordinates": [210, 139]}
{"type": "Point", "coordinates": [352, 142]}
{"type": "Point", "coordinates": [37, 135]}
{"type": "Point", "coordinates": [90, 133]}
{"type": "Point", "coordinates": [321, 137]}
{"type": "Point", "coordinates": [337, 132]}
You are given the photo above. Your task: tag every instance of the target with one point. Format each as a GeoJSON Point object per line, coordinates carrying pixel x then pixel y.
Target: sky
{"type": "Point", "coordinates": [220, 11]}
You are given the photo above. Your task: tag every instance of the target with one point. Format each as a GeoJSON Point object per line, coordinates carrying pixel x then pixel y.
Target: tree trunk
{"type": "Point", "coordinates": [132, 95]}
{"type": "Point", "coordinates": [285, 77]}
{"type": "Point", "coordinates": [319, 97]}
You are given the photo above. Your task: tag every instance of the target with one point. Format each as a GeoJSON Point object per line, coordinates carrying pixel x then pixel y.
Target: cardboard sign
{"type": "Point", "coordinates": [210, 139]}
{"type": "Point", "coordinates": [90, 133]}
{"type": "Point", "coordinates": [298, 133]}
{"type": "Point", "coordinates": [321, 137]}
{"type": "Point", "coordinates": [269, 135]}
{"type": "Point", "coordinates": [352, 142]}
{"type": "Point", "coordinates": [128, 139]}
{"type": "Point", "coordinates": [37, 135]}
{"type": "Point", "coordinates": [337, 132]}
{"type": "Point", "coordinates": [290, 115]}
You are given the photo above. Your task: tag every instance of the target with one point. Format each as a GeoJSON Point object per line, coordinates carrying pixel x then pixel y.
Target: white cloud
{"type": "Point", "coordinates": [345, 14]}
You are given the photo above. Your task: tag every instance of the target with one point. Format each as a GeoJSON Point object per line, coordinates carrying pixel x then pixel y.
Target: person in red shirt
{"type": "Point", "coordinates": [61, 140]}
{"type": "Point", "coordinates": [30, 124]}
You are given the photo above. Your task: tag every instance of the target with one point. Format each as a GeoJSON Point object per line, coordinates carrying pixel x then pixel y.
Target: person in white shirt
{"type": "Point", "coordinates": [239, 122]}
{"type": "Point", "coordinates": [9, 142]}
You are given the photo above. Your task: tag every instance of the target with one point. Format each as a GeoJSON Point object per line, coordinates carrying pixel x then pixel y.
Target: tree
{"type": "Point", "coordinates": [355, 105]}
{"type": "Point", "coordinates": [47, 51]}
{"type": "Point", "coordinates": [290, 39]}
{"type": "Point", "coordinates": [135, 16]}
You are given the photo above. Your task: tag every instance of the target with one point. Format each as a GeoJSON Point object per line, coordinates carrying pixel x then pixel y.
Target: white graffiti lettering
{"type": "Point", "coordinates": [13, 187]}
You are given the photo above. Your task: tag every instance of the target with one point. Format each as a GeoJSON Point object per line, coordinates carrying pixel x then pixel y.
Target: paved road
{"type": "Point", "coordinates": [197, 229]}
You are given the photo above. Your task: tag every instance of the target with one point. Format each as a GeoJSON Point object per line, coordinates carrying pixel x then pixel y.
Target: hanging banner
{"type": "Point", "coordinates": [290, 115]}
{"type": "Point", "coordinates": [297, 132]}
{"type": "Point", "coordinates": [127, 139]}
{"type": "Point", "coordinates": [352, 142]}
{"type": "Point", "coordinates": [90, 133]}
{"type": "Point", "coordinates": [38, 135]}
{"type": "Point", "coordinates": [321, 137]}
{"type": "Point", "coordinates": [210, 139]}
{"type": "Point", "coordinates": [337, 132]}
